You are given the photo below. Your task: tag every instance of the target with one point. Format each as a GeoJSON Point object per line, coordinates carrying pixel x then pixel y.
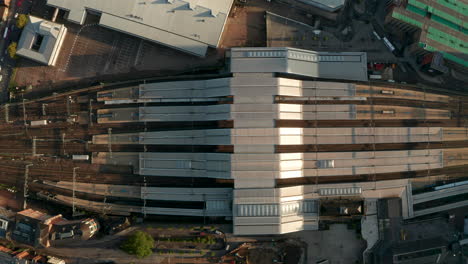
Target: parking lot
{"type": "Point", "coordinates": [339, 245]}
{"type": "Point", "coordinates": [284, 32]}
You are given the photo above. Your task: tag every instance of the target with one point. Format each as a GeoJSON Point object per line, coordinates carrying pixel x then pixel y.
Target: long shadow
{"type": "Point", "coordinates": [256, 29]}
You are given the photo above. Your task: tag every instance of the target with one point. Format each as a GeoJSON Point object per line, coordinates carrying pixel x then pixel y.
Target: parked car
{"type": "Point", "coordinates": [5, 34]}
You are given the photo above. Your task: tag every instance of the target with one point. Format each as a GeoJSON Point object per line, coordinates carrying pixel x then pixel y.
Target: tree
{"type": "Point", "coordinates": [139, 243]}
{"type": "Point", "coordinates": [21, 21]}
{"type": "Point", "coordinates": [12, 49]}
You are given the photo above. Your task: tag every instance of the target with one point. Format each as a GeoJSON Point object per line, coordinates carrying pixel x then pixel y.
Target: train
{"type": "Point", "coordinates": [450, 185]}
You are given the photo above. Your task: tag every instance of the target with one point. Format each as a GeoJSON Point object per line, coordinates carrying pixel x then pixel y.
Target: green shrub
{"type": "Point", "coordinates": [12, 49]}
{"type": "Point", "coordinates": [139, 243]}
{"type": "Point", "coordinates": [22, 20]}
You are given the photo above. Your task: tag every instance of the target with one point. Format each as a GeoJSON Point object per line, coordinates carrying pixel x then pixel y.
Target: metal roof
{"type": "Point", "coordinates": [283, 209]}
{"type": "Point", "coordinates": [329, 65]}
{"type": "Point", "coordinates": [53, 35]}
{"type": "Point", "coordinates": [446, 30]}
{"type": "Point", "coordinates": [340, 191]}
{"type": "Point", "coordinates": [188, 25]}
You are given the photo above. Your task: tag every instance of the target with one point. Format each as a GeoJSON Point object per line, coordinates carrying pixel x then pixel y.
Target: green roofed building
{"type": "Point", "coordinates": [439, 26]}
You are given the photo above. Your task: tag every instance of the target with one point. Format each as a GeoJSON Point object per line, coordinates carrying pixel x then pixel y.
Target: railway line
{"type": "Point", "coordinates": [73, 122]}
{"type": "Point", "coordinates": [63, 106]}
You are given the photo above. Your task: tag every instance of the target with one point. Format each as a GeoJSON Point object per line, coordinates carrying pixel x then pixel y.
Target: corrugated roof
{"type": "Point", "coordinates": [34, 214]}
{"type": "Point", "coordinates": [416, 10]}
{"type": "Point", "coordinates": [451, 14]}
{"type": "Point", "coordinates": [445, 28]}
{"type": "Point", "coordinates": [187, 25]}
{"type": "Point", "coordinates": [406, 19]}
{"type": "Point", "coordinates": [284, 209]}
{"type": "Point", "coordinates": [340, 191]}
{"type": "Point", "coordinates": [329, 65]}
{"type": "Point", "coordinates": [447, 39]}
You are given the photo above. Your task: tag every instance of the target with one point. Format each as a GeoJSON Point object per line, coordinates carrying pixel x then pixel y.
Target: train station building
{"type": "Point", "coordinates": [287, 139]}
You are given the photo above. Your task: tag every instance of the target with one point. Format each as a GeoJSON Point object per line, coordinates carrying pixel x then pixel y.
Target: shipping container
{"type": "Point", "coordinates": [80, 157]}
{"type": "Point", "coordinates": [39, 123]}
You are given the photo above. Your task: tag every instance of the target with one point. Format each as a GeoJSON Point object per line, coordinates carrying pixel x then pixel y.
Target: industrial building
{"type": "Point", "coordinates": [287, 139]}
{"type": "Point", "coordinates": [26, 256]}
{"type": "Point", "coordinates": [6, 216]}
{"type": "Point", "coordinates": [438, 26]}
{"type": "Point", "coordinates": [41, 41]}
{"type": "Point", "coordinates": [327, 5]}
{"type": "Point", "coordinates": [187, 25]}
{"type": "Point", "coordinates": [41, 230]}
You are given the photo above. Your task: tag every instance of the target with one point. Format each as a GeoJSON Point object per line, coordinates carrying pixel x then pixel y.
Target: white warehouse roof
{"type": "Point", "coordinates": [188, 25]}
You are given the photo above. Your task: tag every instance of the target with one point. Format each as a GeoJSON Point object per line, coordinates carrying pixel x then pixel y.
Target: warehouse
{"type": "Point", "coordinates": [187, 25]}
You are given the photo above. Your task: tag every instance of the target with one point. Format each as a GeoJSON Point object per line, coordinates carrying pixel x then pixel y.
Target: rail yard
{"type": "Point", "coordinates": [127, 127]}
{"type": "Point", "coordinates": [36, 155]}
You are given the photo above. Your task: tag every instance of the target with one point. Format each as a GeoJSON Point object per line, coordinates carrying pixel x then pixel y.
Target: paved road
{"type": "Point", "coordinates": [7, 64]}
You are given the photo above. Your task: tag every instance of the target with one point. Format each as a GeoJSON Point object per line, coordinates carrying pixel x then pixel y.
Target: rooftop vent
{"type": "Point", "coordinates": [324, 164]}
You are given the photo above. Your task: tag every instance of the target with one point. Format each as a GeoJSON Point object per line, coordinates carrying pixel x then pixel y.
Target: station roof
{"type": "Point", "coordinates": [317, 64]}
{"type": "Point", "coordinates": [446, 30]}
{"type": "Point", "coordinates": [188, 25]}
{"type": "Point", "coordinates": [41, 40]}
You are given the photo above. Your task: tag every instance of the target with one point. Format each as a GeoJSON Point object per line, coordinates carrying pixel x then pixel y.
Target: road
{"type": "Point", "coordinates": [8, 64]}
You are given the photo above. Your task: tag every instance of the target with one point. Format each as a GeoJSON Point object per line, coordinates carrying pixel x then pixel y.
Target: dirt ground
{"type": "Point", "coordinates": [261, 256]}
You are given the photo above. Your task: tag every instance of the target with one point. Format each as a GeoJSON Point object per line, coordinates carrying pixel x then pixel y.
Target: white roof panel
{"type": "Point", "coordinates": [340, 191]}
{"type": "Point", "coordinates": [188, 25]}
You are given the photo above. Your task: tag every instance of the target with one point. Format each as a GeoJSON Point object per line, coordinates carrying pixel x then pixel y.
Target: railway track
{"type": "Point", "coordinates": [49, 147]}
